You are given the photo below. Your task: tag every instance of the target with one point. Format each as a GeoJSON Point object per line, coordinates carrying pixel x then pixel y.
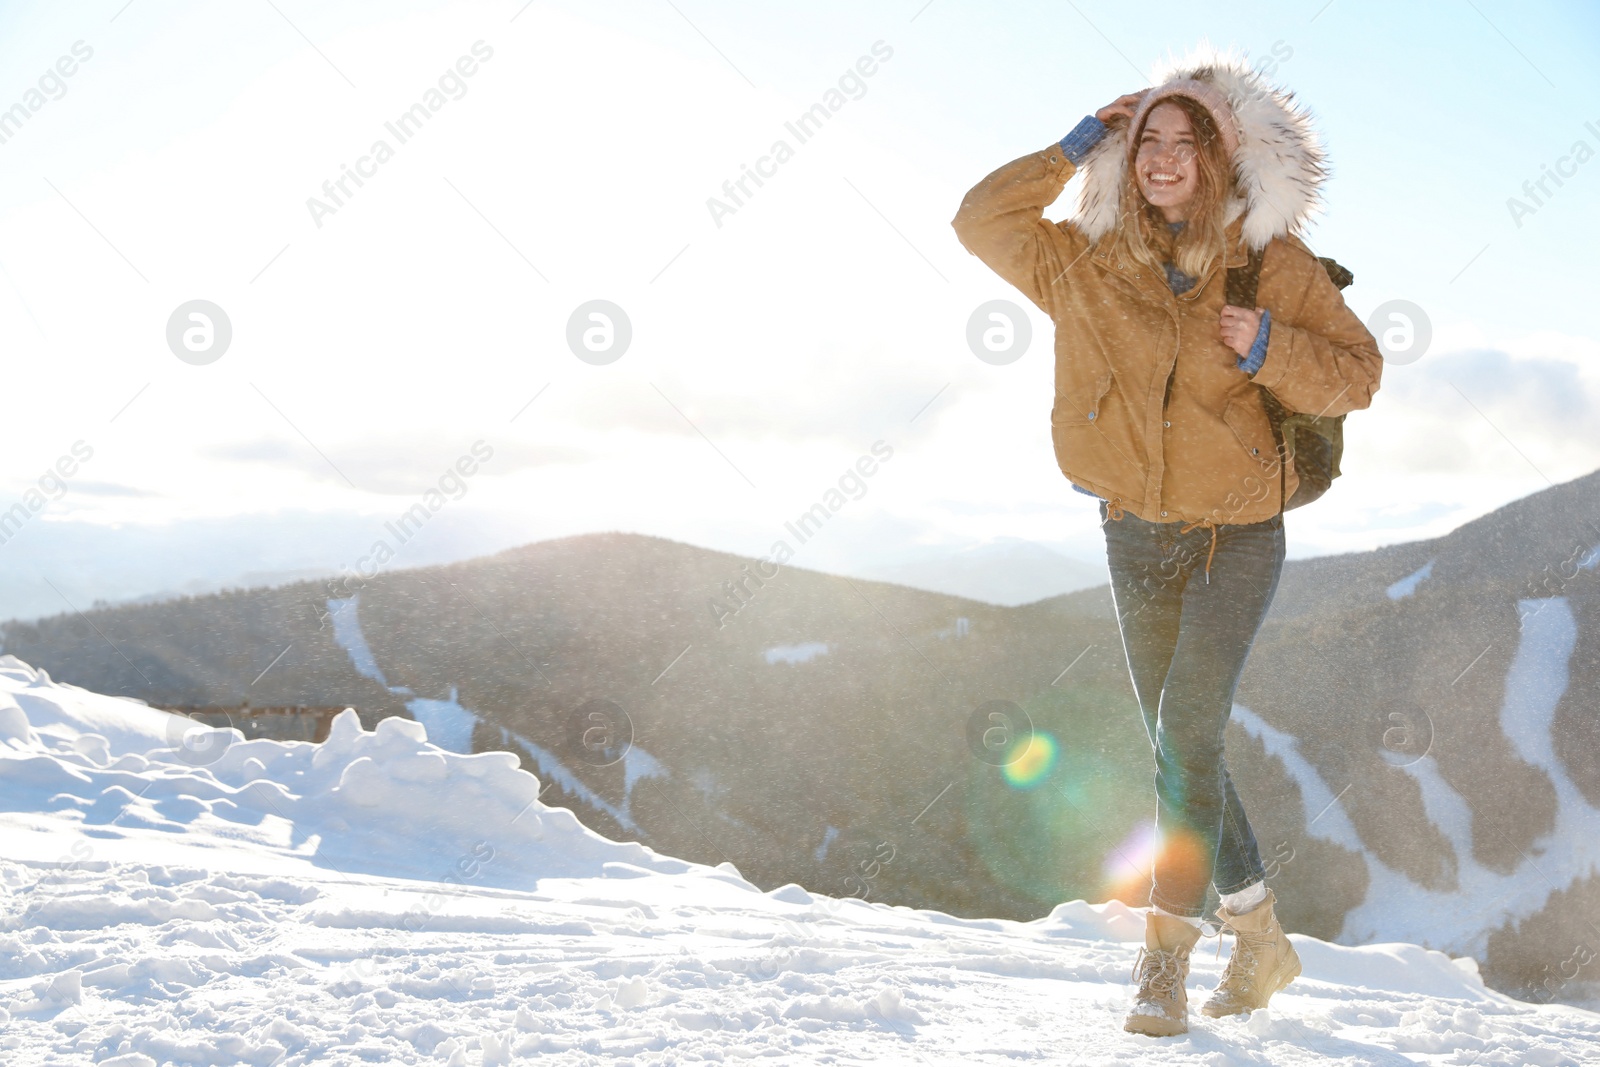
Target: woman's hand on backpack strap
{"type": "Point", "coordinates": [1238, 327]}
{"type": "Point", "coordinates": [1121, 108]}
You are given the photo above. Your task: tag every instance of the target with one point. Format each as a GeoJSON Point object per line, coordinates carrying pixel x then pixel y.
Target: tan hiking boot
{"type": "Point", "coordinates": [1161, 1007]}
{"type": "Point", "coordinates": [1263, 961]}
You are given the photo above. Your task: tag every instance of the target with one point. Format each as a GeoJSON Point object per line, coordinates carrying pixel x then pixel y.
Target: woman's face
{"type": "Point", "coordinates": [1167, 164]}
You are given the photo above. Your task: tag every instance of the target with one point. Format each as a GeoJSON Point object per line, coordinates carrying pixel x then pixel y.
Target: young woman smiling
{"type": "Point", "coordinates": [1159, 413]}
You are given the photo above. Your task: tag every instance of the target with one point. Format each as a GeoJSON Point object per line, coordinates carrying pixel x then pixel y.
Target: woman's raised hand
{"type": "Point", "coordinates": [1121, 108]}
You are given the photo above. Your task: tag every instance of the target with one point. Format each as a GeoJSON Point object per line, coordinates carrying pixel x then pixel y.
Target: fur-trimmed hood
{"type": "Point", "coordinates": [1279, 166]}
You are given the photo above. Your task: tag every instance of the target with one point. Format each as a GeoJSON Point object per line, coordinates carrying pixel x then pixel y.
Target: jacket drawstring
{"type": "Point", "coordinates": [1213, 552]}
{"type": "Point", "coordinates": [1114, 511]}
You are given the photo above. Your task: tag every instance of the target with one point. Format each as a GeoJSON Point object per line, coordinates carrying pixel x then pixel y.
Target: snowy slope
{"type": "Point", "coordinates": [180, 895]}
{"type": "Point", "coordinates": [1397, 907]}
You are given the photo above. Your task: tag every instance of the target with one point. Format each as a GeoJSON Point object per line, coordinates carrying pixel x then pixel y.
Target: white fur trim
{"type": "Point", "coordinates": [1280, 163]}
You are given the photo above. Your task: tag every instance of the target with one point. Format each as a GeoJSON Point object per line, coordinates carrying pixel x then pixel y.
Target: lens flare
{"type": "Point", "coordinates": [1180, 852]}
{"type": "Point", "coordinates": [1127, 867]}
{"type": "Point", "coordinates": [1044, 826]}
{"type": "Point", "coordinates": [1033, 764]}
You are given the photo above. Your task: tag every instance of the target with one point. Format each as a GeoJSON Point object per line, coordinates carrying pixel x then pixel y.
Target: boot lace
{"type": "Point", "coordinates": [1239, 973]}
{"type": "Point", "coordinates": [1157, 971]}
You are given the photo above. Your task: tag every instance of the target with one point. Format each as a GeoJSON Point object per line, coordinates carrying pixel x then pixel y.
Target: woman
{"type": "Point", "coordinates": [1159, 413]}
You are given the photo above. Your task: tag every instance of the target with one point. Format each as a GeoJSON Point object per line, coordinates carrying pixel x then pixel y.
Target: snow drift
{"type": "Point", "coordinates": [177, 894]}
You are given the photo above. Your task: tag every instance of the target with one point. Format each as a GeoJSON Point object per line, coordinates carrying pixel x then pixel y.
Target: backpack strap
{"type": "Point", "coordinates": [1241, 292]}
{"type": "Point", "coordinates": [1242, 281]}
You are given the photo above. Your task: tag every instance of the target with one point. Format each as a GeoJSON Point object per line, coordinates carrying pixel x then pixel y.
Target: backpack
{"type": "Point", "coordinates": [1313, 442]}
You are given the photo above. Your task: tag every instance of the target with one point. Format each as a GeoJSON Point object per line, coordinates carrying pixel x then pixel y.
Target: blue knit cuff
{"type": "Point", "coordinates": [1084, 491]}
{"type": "Point", "coordinates": [1258, 350]}
{"type": "Point", "coordinates": [1084, 136]}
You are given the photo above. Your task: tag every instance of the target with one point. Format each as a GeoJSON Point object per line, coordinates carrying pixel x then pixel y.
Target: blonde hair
{"type": "Point", "coordinates": [1141, 234]}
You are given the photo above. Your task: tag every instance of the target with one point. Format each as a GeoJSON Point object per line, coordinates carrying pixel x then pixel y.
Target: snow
{"type": "Point", "coordinates": [1538, 679]}
{"type": "Point", "coordinates": [449, 724]}
{"type": "Point", "coordinates": [557, 772]}
{"type": "Point", "coordinates": [380, 899]}
{"type": "Point", "coordinates": [447, 717]}
{"type": "Point", "coordinates": [346, 617]}
{"type": "Point", "coordinates": [1447, 809]}
{"type": "Point", "coordinates": [637, 765]}
{"type": "Point", "coordinates": [796, 653]}
{"type": "Point", "coordinates": [1396, 908]}
{"type": "Point", "coordinates": [125, 726]}
{"type": "Point", "coordinates": [1325, 818]}
{"type": "Point", "coordinates": [1408, 585]}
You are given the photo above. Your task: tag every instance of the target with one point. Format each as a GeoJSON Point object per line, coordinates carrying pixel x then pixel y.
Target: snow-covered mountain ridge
{"type": "Point", "coordinates": [179, 895]}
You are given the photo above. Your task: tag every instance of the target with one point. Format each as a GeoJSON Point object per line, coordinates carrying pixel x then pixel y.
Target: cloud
{"type": "Point", "coordinates": [108, 489]}
{"type": "Point", "coordinates": [1550, 391]}
{"type": "Point", "coordinates": [1458, 411]}
{"type": "Point", "coordinates": [393, 465]}
{"type": "Point", "coordinates": [815, 408]}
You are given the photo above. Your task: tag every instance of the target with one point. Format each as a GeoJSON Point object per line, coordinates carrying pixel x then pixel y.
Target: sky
{"type": "Point", "coordinates": [411, 333]}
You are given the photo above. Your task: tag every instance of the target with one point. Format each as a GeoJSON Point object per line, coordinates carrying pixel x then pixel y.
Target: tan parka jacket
{"type": "Point", "coordinates": [1208, 453]}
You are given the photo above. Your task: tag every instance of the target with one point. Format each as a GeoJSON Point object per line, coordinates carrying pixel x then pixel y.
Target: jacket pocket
{"type": "Point", "coordinates": [1082, 405]}
{"type": "Point", "coordinates": [1247, 418]}
{"type": "Point", "coordinates": [1089, 445]}
{"type": "Point", "coordinates": [1081, 408]}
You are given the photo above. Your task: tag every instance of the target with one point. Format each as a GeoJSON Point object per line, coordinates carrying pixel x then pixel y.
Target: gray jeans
{"type": "Point", "coordinates": [1187, 634]}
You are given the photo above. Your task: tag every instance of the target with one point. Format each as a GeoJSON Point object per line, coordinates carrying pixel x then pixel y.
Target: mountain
{"type": "Point", "coordinates": [1449, 692]}
{"type": "Point", "coordinates": [174, 896]}
{"type": "Point", "coordinates": [1008, 571]}
{"type": "Point", "coordinates": [1413, 733]}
